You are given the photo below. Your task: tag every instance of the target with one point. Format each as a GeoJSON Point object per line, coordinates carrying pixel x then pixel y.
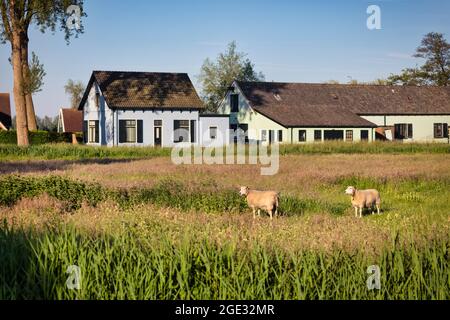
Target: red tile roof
{"type": "Point", "coordinates": [72, 120]}
{"type": "Point", "coordinates": [5, 110]}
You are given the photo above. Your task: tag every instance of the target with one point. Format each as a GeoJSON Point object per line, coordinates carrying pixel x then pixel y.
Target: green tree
{"type": "Point", "coordinates": [435, 50]}
{"type": "Point", "coordinates": [35, 81]}
{"type": "Point", "coordinates": [75, 90]}
{"type": "Point", "coordinates": [16, 18]}
{"type": "Point", "coordinates": [216, 76]}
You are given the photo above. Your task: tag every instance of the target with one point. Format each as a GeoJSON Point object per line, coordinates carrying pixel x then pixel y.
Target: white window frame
{"type": "Point", "coordinates": [91, 131]}
{"type": "Point", "coordinates": [135, 130]}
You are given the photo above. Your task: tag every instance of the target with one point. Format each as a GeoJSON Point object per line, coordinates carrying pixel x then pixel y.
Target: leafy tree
{"type": "Point", "coordinates": [75, 90]}
{"type": "Point", "coordinates": [216, 76]}
{"type": "Point", "coordinates": [37, 74]}
{"type": "Point", "coordinates": [47, 123]}
{"type": "Point", "coordinates": [16, 18]}
{"type": "Point", "coordinates": [435, 50]}
{"type": "Point", "coordinates": [409, 77]}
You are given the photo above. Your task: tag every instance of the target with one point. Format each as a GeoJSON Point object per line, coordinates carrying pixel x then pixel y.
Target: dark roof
{"type": "Point", "coordinates": [145, 90]}
{"type": "Point", "coordinates": [72, 120]}
{"type": "Point", "coordinates": [5, 110]}
{"type": "Point", "coordinates": [293, 104]}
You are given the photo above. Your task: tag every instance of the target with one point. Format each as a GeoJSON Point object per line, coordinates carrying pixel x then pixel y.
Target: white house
{"type": "Point", "coordinates": [147, 109]}
{"type": "Point", "coordinates": [304, 112]}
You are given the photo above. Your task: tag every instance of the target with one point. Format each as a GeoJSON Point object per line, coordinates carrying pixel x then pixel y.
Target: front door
{"type": "Point", "coordinates": [158, 136]}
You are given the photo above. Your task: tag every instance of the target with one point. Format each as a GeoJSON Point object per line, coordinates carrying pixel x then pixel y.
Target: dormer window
{"type": "Point", "coordinates": [277, 96]}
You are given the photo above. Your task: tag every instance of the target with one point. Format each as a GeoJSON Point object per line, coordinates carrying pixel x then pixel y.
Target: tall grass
{"type": "Point", "coordinates": [173, 194]}
{"type": "Point", "coordinates": [79, 152]}
{"type": "Point", "coordinates": [124, 266]}
{"type": "Point", "coordinates": [167, 193]}
{"type": "Point", "coordinates": [377, 147]}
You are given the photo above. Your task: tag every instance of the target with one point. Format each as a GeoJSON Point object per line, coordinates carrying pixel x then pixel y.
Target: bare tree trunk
{"type": "Point", "coordinates": [19, 98]}
{"type": "Point", "coordinates": [31, 116]}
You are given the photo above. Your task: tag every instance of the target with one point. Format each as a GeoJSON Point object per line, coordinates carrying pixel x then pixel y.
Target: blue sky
{"type": "Point", "coordinates": [298, 41]}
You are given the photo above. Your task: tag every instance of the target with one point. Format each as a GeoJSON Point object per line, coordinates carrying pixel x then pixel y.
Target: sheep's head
{"type": "Point", "coordinates": [244, 191]}
{"type": "Point", "coordinates": [350, 191]}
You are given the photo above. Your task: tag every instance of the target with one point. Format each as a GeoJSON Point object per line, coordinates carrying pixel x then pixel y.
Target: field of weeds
{"type": "Point", "coordinates": [147, 229]}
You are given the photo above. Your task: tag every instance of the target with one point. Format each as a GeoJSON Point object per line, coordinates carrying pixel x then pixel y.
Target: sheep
{"type": "Point", "coordinates": [364, 199]}
{"type": "Point", "coordinates": [257, 200]}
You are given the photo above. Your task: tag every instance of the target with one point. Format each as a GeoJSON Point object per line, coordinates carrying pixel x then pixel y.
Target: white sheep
{"type": "Point", "coordinates": [364, 199]}
{"type": "Point", "coordinates": [257, 200]}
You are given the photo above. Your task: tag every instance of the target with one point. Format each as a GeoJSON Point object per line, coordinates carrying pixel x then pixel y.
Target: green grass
{"type": "Point", "coordinates": [377, 147]}
{"type": "Point", "coordinates": [150, 260]}
{"type": "Point", "coordinates": [126, 267]}
{"type": "Point", "coordinates": [77, 152]}
{"type": "Point", "coordinates": [80, 152]}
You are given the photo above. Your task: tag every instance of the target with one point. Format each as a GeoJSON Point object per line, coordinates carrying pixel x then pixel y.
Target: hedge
{"type": "Point", "coordinates": [36, 137]}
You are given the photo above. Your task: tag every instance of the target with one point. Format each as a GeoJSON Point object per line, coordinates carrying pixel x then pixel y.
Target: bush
{"type": "Point", "coordinates": [36, 137]}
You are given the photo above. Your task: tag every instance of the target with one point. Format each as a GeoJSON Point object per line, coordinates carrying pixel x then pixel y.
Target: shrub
{"type": "Point", "coordinates": [36, 137]}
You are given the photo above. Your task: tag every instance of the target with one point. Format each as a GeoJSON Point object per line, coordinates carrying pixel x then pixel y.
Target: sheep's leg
{"type": "Point", "coordinates": [276, 212]}
{"type": "Point", "coordinates": [270, 213]}
{"type": "Point", "coordinates": [373, 211]}
{"type": "Point", "coordinates": [254, 213]}
{"type": "Point", "coordinates": [378, 209]}
{"type": "Point", "coordinates": [356, 212]}
{"type": "Point", "coordinates": [259, 213]}
{"type": "Point", "coordinates": [360, 212]}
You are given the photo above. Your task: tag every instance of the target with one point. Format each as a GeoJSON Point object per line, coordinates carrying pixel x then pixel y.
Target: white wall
{"type": "Point", "coordinates": [221, 123]}
{"type": "Point", "coordinates": [423, 125]}
{"type": "Point", "coordinates": [102, 113]}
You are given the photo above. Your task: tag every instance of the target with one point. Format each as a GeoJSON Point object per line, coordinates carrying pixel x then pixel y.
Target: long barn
{"type": "Point", "coordinates": [304, 112]}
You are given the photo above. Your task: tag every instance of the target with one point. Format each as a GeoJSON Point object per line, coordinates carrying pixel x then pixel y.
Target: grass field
{"type": "Point", "coordinates": [147, 229]}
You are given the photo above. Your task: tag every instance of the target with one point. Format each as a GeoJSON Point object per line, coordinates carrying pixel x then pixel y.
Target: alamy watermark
{"type": "Point", "coordinates": [73, 281]}
{"type": "Point", "coordinates": [374, 19]}
{"type": "Point", "coordinates": [374, 280]}
{"type": "Point", "coordinates": [74, 17]}
{"type": "Point", "coordinates": [230, 149]}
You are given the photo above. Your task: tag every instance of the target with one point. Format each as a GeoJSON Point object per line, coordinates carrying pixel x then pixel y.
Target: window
{"type": "Point", "coordinates": [193, 135]}
{"type": "Point", "coordinates": [333, 135]}
{"type": "Point", "coordinates": [349, 135]}
{"type": "Point", "coordinates": [130, 131]}
{"type": "Point", "coordinates": [317, 135]}
{"type": "Point", "coordinates": [181, 131]}
{"type": "Point", "coordinates": [263, 135]}
{"type": "Point", "coordinates": [364, 135]}
{"type": "Point", "coordinates": [403, 130]}
{"type": "Point", "coordinates": [93, 135]}
{"type": "Point", "coordinates": [85, 131]}
{"type": "Point", "coordinates": [280, 135]}
{"type": "Point", "coordinates": [441, 130]}
{"type": "Point", "coordinates": [212, 133]}
{"type": "Point", "coordinates": [302, 135]}
{"type": "Point", "coordinates": [97, 97]}
{"type": "Point", "coordinates": [234, 102]}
